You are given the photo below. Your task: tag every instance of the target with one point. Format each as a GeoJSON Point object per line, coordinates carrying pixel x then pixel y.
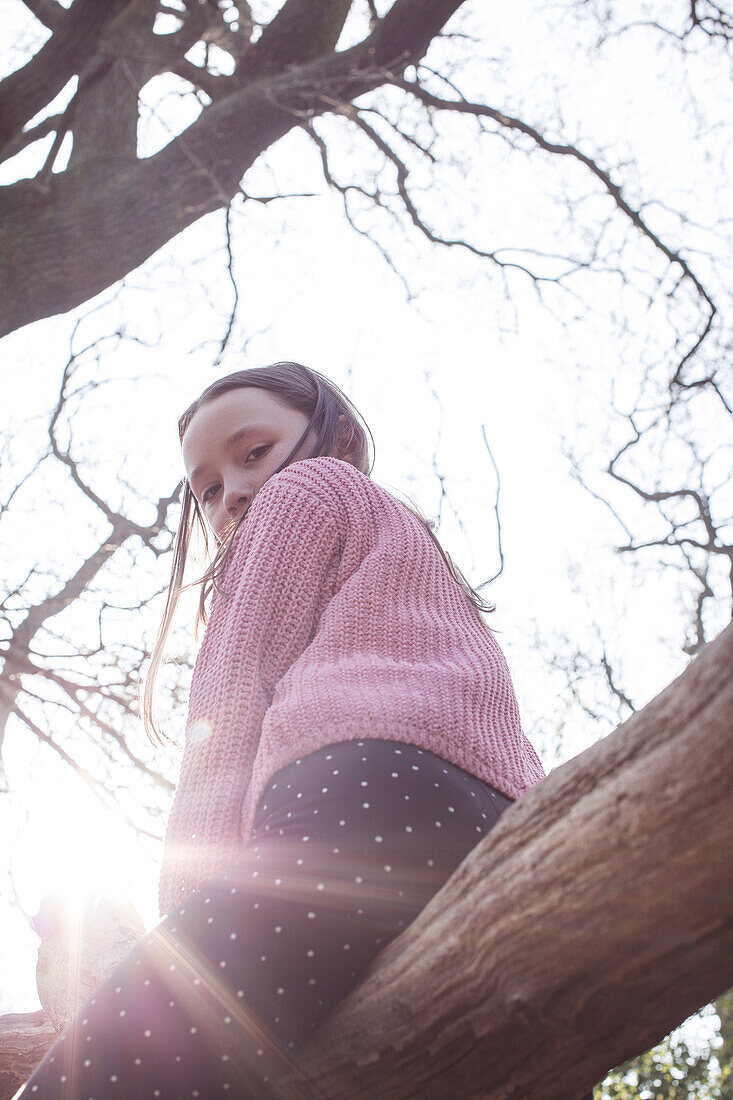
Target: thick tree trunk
{"type": "Point", "coordinates": [67, 237]}
{"type": "Point", "coordinates": [592, 920]}
{"type": "Point", "coordinates": [589, 923]}
{"type": "Point", "coordinates": [24, 1039]}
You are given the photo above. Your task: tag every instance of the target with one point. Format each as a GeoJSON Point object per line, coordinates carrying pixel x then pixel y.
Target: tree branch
{"type": "Point", "coordinates": [28, 89]}
{"type": "Point", "coordinates": [626, 888]}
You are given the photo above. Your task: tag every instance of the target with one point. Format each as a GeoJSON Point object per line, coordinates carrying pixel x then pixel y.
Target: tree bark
{"type": "Point", "coordinates": [24, 1039]}
{"type": "Point", "coordinates": [591, 921]}
{"type": "Point", "coordinates": [68, 237]}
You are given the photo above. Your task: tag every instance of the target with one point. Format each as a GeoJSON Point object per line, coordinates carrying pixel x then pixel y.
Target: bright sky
{"type": "Point", "coordinates": [427, 377]}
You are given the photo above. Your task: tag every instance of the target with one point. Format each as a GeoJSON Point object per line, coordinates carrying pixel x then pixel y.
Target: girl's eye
{"type": "Point", "coordinates": [264, 447]}
{"type": "Point", "coordinates": [209, 493]}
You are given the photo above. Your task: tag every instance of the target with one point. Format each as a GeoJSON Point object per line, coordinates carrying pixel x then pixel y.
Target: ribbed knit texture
{"type": "Point", "coordinates": [337, 620]}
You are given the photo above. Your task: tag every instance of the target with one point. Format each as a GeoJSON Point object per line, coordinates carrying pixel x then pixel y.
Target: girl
{"type": "Point", "coordinates": [352, 733]}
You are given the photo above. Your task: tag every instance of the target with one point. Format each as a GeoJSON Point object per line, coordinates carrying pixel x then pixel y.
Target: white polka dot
{"type": "Point", "coordinates": [408, 828]}
{"type": "Point", "coordinates": [336, 772]}
{"type": "Point", "coordinates": [138, 1061]}
{"type": "Point", "coordinates": [122, 1013]}
{"type": "Point", "coordinates": [342, 822]}
{"type": "Point", "coordinates": [415, 767]}
{"type": "Point", "coordinates": [278, 928]}
{"type": "Point", "coordinates": [395, 775]}
{"type": "Point", "coordinates": [438, 824]}
{"type": "Point", "coordinates": [119, 989]}
{"type": "Point", "coordinates": [347, 946]}
{"type": "Point", "coordinates": [299, 862]}
{"type": "Point", "coordinates": [399, 752]}
{"type": "Point", "coordinates": [320, 886]}
{"type": "Point", "coordinates": [63, 1077]}
{"type": "Point", "coordinates": [378, 839]}
{"type": "Point", "coordinates": [197, 981]}
{"type": "Point", "coordinates": [209, 920]}
{"type": "Point", "coordinates": [147, 1033]}
{"type": "Point", "coordinates": [311, 916]}
{"type": "Point", "coordinates": [311, 981]}
{"type": "Point", "coordinates": [206, 901]}
{"type": "Point", "coordinates": [310, 952]}
{"type": "Point", "coordinates": [240, 992]}
{"type": "Point", "coordinates": [113, 1077]}
{"type": "Point", "coordinates": [232, 935]}
{"type": "Point", "coordinates": [387, 867]}
{"type": "Point", "coordinates": [451, 810]}
{"type": "Point", "coordinates": [222, 963]}
{"type": "Point", "coordinates": [280, 991]}
{"type": "Point", "coordinates": [324, 790]}
{"type": "Point", "coordinates": [87, 1061]}
{"type": "Point", "coordinates": [227, 1019]}
{"type": "Point", "coordinates": [278, 882]}
{"type": "Point", "coordinates": [225, 1057]}
{"type": "Point", "coordinates": [232, 891]}
{"type": "Point", "coordinates": [364, 783]}
{"type": "Point", "coordinates": [365, 805]}
{"type": "Point", "coordinates": [358, 879]}
{"type": "Point", "coordinates": [336, 851]}
{"type": "Point", "coordinates": [192, 1030]}
{"type": "Point", "coordinates": [431, 863]}
{"type": "Point", "coordinates": [306, 838]}
{"type": "Point", "coordinates": [171, 1004]}
{"type": "Point", "coordinates": [146, 982]}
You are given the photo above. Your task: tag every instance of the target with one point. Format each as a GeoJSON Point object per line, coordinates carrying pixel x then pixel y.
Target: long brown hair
{"type": "Point", "coordinates": [342, 433]}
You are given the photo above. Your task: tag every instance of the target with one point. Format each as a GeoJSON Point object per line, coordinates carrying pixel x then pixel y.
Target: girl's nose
{"type": "Point", "coordinates": [236, 499]}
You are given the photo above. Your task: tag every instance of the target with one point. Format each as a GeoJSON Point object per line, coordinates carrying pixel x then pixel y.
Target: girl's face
{"type": "Point", "coordinates": [233, 444]}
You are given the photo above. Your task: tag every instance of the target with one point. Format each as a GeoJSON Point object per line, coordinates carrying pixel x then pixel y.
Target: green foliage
{"type": "Point", "coordinates": [673, 1070]}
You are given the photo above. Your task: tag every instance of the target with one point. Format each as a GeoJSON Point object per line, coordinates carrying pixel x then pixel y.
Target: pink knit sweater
{"type": "Point", "coordinates": [342, 622]}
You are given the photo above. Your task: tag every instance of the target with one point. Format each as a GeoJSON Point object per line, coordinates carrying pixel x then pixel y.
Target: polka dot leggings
{"type": "Point", "coordinates": [349, 844]}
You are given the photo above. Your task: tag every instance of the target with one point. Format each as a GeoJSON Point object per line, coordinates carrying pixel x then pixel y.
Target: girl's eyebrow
{"type": "Point", "coordinates": [229, 442]}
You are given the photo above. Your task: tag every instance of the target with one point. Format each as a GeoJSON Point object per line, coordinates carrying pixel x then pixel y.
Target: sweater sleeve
{"type": "Point", "coordinates": [272, 590]}
{"type": "Point", "coordinates": [270, 595]}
